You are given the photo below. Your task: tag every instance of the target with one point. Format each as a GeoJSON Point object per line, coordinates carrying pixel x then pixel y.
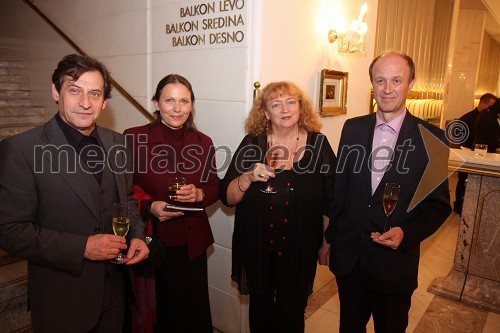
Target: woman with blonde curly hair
{"type": "Point", "coordinates": [257, 122]}
{"type": "Point", "coordinates": [281, 182]}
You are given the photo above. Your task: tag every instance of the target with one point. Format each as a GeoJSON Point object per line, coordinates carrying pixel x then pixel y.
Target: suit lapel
{"type": "Point", "coordinates": [68, 164]}
{"type": "Point", "coordinates": [367, 167]}
{"type": "Point", "coordinates": [116, 159]}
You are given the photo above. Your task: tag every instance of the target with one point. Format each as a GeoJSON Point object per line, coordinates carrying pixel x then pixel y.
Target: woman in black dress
{"type": "Point", "coordinates": [278, 233]}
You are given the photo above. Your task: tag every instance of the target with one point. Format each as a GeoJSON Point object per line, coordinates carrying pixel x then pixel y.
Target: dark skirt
{"type": "Point", "coordinates": [182, 293]}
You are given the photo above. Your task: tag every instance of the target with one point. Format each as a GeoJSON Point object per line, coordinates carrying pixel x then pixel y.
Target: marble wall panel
{"type": "Point", "coordinates": [466, 231]}
{"type": "Point", "coordinates": [485, 256]}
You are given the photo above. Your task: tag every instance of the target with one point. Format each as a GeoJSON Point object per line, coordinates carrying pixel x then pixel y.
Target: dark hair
{"type": "Point", "coordinates": [74, 65]}
{"type": "Point", "coordinates": [487, 97]}
{"type": "Point", "coordinates": [403, 55]}
{"type": "Point", "coordinates": [496, 106]}
{"type": "Point", "coordinates": [175, 78]}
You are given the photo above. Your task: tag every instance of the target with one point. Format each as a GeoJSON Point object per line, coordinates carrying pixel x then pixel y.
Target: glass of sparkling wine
{"type": "Point", "coordinates": [121, 225]}
{"type": "Point", "coordinates": [272, 161]}
{"type": "Point", "coordinates": [391, 197]}
{"type": "Point", "coordinates": [174, 185]}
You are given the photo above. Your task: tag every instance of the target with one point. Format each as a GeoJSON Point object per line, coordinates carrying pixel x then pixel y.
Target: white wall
{"type": "Point", "coordinates": [295, 47]}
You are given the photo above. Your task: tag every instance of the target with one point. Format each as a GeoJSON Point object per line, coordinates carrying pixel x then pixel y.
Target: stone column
{"type": "Point", "coordinates": [462, 78]}
{"type": "Point", "coordinates": [475, 277]}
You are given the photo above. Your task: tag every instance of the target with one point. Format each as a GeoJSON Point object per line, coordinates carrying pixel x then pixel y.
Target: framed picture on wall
{"type": "Point", "coordinates": [332, 93]}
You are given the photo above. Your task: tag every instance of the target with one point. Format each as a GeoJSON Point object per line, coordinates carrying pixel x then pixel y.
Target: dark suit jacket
{"type": "Point", "coordinates": [470, 120]}
{"type": "Point", "coordinates": [487, 130]}
{"type": "Point", "coordinates": [357, 213]}
{"type": "Point", "coordinates": [47, 213]}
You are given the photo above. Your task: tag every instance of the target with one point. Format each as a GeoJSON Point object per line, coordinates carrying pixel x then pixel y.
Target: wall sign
{"type": "Point", "coordinates": [206, 24]}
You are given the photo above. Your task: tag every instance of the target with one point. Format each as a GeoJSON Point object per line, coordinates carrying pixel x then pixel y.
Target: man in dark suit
{"type": "Point", "coordinates": [485, 101]}
{"type": "Point", "coordinates": [488, 127]}
{"type": "Point", "coordinates": [59, 182]}
{"type": "Point", "coordinates": [375, 262]}
{"type": "Point", "coordinates": [469, 119]}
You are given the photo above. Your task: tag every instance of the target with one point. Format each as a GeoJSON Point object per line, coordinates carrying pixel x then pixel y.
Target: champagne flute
{"type": "Point", "coordinates": [272, 161]}
{"type": "Point", "coordinates": [391, 197]}
{"type": "Point", "coordinates": [121, 225]}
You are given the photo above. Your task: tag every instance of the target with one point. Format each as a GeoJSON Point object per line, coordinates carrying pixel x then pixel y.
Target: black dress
{"type": "Point", "coordinates": [288, 224]}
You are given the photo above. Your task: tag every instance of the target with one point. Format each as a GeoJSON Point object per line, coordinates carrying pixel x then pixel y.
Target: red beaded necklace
{"type": "Point", "coordinates": [271, 144]}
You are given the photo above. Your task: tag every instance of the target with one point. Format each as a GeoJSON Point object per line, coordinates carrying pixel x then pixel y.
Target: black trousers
{"type": "Point", "coordinates": [182, 293]}
{"type": "Point", "coordinates": [113, 307]}
{"type": "Point", "coordinates": [357, 304]}
{"type": "Point", "coordinates": [276, 310]}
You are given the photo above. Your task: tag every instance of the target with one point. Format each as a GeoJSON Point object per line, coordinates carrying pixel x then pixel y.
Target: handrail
{"type": "Point", "coordinates": [117, 86]}
{"type": "Point", "coordinates": [256, 89]}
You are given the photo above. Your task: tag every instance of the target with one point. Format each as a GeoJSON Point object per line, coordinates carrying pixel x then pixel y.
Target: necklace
{"type": "Point", "coordinates": [271, 144]}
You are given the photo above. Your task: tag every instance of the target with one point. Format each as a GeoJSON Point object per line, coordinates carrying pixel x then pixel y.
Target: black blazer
{"type": "Point", "coordinates": [46, 215]}
{"type": "Point", "coordinates": [487, 130]}
{"type": "Point", "coordinates": [357, 213]}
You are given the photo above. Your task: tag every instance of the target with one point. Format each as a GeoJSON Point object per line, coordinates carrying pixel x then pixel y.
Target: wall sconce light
{"type": "Point", "coordinates": [353, 39]}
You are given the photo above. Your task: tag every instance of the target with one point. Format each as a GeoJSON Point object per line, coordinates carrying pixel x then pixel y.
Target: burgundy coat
{"type": "Point", "coordinates": [160, 153]}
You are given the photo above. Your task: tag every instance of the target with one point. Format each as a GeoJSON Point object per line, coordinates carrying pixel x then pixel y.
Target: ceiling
{"type": "Point", "coordinates": [492, 25]}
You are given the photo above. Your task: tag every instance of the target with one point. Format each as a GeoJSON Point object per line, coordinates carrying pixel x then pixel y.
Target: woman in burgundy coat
{"type": "Point", "coordinates": [172, 147]}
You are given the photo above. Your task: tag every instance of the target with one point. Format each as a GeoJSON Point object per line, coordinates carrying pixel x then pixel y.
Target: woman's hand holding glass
{"type": "Point", "coordinates": [190, 193]}
{"type": "Point", "coordinates": [272, 161]}
{"type": "Point", "coordinates": [258, 173]}
{"type": "Point", "coordinates": [261, 173]}
{"type": "Point", "coordinates": [180, 191]}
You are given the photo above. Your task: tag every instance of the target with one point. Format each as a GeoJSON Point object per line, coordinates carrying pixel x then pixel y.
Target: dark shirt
{"type": "Point", "coordinates": [93, 154]}
{"type": "Point", "coordinates": [470, 120]}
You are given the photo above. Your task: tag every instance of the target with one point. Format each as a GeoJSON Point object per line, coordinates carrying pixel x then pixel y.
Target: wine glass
{"type": "Point", "coordinates": [272, 161]}
{"type": "Point", "coordinates": [121, 225]}
{"type": "Point", "coordinates": [391, 197]}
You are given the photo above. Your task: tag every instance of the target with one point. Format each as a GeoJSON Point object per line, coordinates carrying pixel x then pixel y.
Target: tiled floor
{"type": "Point", "coordinates": [429, 313]}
